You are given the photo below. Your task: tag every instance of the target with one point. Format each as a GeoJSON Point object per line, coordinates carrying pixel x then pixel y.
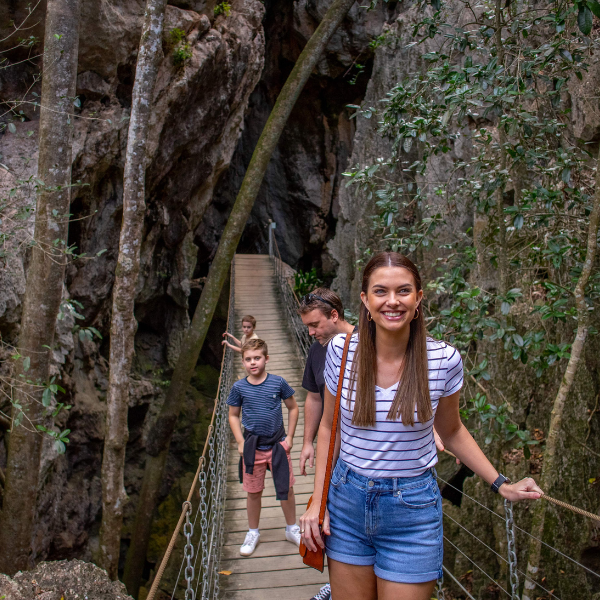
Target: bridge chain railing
{"type": "Point", "coordinates": [290, 300]}
{"type": "Point", "coordinates": [204, 534]}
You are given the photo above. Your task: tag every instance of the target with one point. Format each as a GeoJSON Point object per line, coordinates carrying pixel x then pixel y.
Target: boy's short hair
{"type": "Point", "coordinates": [249, 319]}
{"type": "Point", "coordinates": [256, 344]}
{"type": "Point", "coordinates": [323, 299]}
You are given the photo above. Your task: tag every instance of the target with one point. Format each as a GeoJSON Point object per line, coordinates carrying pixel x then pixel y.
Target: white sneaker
{"type": "Point", "coordinates": [293, 535]}
{"type": "Point", "coordinates": [250, 543]}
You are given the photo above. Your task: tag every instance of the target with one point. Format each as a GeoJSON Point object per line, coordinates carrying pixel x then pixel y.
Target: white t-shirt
{"type": "Point", "coordinates": [389, 448]}
{"type": "Point", "coordinates": [245, 339]}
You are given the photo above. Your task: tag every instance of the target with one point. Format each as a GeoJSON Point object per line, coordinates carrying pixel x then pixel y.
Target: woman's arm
{"type": "Point", "coordinates": [460, 442]}
{"type": "Point", "coordinates": [309, 522]}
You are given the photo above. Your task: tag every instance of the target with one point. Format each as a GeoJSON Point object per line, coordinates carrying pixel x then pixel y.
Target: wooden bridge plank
{"type": "Point", "coordinates": [303, 592]}
{"type": "Point", "coordinates": [254, 564]}
{"type": "Point", "coordinates": [277, 548]}
{"type": "Point", "coordinates": [273, 579]}
{"type": "Point", "coordinates": [267, 501]}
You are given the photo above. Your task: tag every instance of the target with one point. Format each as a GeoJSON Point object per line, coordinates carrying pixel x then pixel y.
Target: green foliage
{"type": "Point", "coordinates": [177, 35]}
{"type": "Point", "coordinates": [181, 54]}
{"type": "Point", "coordinates": [223, 8]}
{"type": "Point", "coordinates": [60, 437]}
{"type": "Point", "coordinates": [181, 50]}
{"type": "Point", "coordinates": [586, 9]}
{"type": "Point", "coordinates": [306, 281]}
{"type": "Point", "coordinates": [524, 173]}
{"type": "Point", "coordinates": [358, 69]}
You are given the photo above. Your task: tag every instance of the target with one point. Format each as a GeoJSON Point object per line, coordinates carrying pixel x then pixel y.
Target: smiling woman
{"type": "Point", "coordinates": [383, 525]}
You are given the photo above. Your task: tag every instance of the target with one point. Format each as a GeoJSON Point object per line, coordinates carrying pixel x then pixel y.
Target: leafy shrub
{"type": "Point", "coordinates": [177, 35]}
{"type": "Point", "coordinates": [306, 281]}
{"type": "Point", "coordinates": [223, 8]}
{"type": "Point", "coordinates": [181, 53]}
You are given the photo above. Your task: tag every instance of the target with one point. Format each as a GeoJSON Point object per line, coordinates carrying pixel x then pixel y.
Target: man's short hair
{"type": "Point", "coordinates": [255, 344]}
{"type": "Point", "coordinates": [324, 300]}
{"type": "Point", "coordinates": [249, 319]}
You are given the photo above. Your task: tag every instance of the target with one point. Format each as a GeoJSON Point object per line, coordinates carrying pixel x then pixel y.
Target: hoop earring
{"type": "Point", "coordinates": [369, 317]}
{"type": "Point", "coordinates": [416, 314]}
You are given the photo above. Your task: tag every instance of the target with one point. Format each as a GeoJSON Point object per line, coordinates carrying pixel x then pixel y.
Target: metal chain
{"type": "Point", "coordinates": [511, 549]}
{"type": "Point", "coordinates": [188, 553]}
{"type": "Point", "coordinates": [440, 589]}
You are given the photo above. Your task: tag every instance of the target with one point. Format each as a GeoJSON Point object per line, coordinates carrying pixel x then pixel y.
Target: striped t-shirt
{"type": "Point", "coordinates": [261, 404]}
{"type": "Point", "coordinates": [389, 448]}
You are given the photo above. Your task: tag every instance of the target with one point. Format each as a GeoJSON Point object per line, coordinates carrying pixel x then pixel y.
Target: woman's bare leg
{"type": "Point", "coordinates": [352, 581]}
{"type": "Point", "coordinates": [389, 590]}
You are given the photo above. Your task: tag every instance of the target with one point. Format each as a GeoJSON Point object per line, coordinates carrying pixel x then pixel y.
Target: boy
{"type": "Point", "coordinates": [263, 441]}
{"type": "Point", "coordinates": [248, 326]}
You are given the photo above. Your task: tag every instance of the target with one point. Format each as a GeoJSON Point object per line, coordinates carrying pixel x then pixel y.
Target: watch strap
{"type": "Point", "coordinates": [499, 481]}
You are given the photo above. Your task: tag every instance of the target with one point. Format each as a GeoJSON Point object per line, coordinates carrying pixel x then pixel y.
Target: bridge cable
{"type": "Point", "coordinates": [476, 565]}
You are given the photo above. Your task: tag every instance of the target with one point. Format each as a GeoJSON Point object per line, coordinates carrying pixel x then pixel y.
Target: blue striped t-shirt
{"type": "Point", "coordinates": [390, 448]}
{"type": "Point", "coordinates": [261, 404]}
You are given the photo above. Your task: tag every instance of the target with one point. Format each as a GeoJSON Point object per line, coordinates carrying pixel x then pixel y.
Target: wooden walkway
{"type": "Point", "coordinates": [275, 570]}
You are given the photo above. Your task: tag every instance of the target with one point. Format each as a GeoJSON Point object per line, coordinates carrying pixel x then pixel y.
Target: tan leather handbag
{"type": "Point", "coordinates": [316, 560]}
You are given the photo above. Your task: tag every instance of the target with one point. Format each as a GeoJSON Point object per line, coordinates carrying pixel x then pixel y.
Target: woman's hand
{"type": "Point", "coordinates": [526, 489]}
{"type": "Point", "coordinates": [309, 526]}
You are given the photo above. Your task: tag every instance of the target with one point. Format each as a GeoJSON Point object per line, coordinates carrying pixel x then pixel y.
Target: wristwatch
{"type": "Point", "coordinates": [499, 481]}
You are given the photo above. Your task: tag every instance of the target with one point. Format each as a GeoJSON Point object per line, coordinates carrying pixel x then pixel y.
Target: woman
{"type": "Point", "coordinates": [383, 527]}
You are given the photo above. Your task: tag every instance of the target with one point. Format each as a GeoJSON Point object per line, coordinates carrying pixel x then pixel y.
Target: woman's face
{"type": "Point", "coordinates": [392, 298]}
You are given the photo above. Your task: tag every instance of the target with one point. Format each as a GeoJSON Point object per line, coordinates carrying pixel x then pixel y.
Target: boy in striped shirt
{"type": "Point", "coordinates": [263, 442]}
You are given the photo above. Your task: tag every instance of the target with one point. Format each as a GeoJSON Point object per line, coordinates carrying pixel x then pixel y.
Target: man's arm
{"type": "Point", "coordinates": [313, 409]}
{"type": "Point", "coordinates": [293, 412]}
{"type": "Point", "coordinates": [236, 427]}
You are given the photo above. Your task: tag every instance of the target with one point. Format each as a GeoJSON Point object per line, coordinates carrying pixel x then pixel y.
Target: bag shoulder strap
{"type": "Point", "coordinates": [334, 426]}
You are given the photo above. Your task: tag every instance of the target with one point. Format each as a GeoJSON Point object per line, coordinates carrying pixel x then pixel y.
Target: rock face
{"type": "Point", "coordinates": [74, 579]}
{"type": "Point", "coordinates": [199, 106]}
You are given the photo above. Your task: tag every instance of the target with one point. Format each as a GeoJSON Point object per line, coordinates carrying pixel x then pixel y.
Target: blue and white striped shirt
{"type": "Point", "coordinates": [261, 404]}
{"type": "Point", "coordinates": [389, 448]}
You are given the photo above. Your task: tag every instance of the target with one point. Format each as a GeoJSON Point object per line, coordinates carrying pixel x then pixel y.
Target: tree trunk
{"type": "Point", "coordinates": [548, 476]}
{"type": "Point", "coordinates": [123, 325]}
{"type": "Point", "coordinates": [45, 279]}
{"type": "Point", "coordinates": [160, 436]}
{"type": "Point", "coordinates": [502, 248]}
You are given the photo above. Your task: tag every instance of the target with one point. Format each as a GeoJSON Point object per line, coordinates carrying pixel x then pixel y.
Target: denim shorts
{"type": "Point", "coordinates": [394, 524]}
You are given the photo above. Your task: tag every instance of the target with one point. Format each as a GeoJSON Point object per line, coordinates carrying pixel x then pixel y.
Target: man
{"type": "Point", "coordinates": [323, 313]}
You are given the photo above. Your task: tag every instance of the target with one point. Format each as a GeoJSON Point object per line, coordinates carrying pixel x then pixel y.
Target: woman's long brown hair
{"type": "Point", "coordinates": [414, 383]}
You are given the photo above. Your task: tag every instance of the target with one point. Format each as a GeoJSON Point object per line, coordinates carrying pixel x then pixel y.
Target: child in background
{"type": "Point", "coordinates": [263, 441]}
{"type": "Point", "coordinates": [248, 326]}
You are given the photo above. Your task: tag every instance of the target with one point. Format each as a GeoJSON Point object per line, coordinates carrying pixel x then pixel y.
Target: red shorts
{"type": "Point", "coordinates": [255, 482]}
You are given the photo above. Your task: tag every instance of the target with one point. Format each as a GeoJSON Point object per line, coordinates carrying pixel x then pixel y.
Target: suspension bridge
{"type": "Point", "coordinates": [213, 519]}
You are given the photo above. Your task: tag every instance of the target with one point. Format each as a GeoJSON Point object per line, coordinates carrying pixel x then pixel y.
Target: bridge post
{"type": "Point", "coordinates": [272, 227]}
